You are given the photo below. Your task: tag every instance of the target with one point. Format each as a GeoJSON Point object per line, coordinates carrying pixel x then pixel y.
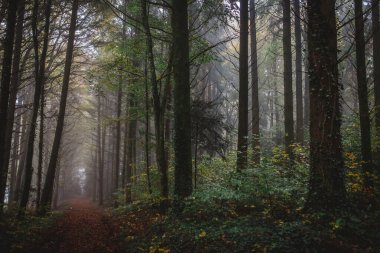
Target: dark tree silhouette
{"type": "Point", "coordinates": [4, 92]}
{"type": "Point", "coordinates": [47, 192]}
{"type": "Point", "coordinates": [255, 86]}
{"type": "Point", "coordinates": [288, 85]}
{"type": "Point", "coordinates": [39, 86]}
{"type": "Point", "coordinates": [365, 122]}
{"type": "Point", "coordinates": [326, 187]}
{"type": "Point", "coordinates": [299, 94]}
{"type": "Point", "coordinates": [242, 145]}
{"type": "Point", "coordinates": [182, 109]}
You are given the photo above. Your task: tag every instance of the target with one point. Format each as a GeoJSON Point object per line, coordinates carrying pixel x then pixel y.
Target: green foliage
{"type": "Point", "coordinates": [17, 236]}
{"type": "Point", "coordinates": [261, 187]}
{"type": "Point", "coordinates": [199, 53]}
{"type": "Point", "coordinates": [257, 210]}
{"type": "Point", "coordinates": [353, 161]}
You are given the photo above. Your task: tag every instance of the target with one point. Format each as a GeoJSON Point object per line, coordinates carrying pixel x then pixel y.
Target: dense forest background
{"type": "Point", "coordinates": [209, 125]}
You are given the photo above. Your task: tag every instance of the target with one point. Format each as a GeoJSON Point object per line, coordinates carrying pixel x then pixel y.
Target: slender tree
{"type": "Point", "coordinates": [15, 159]}
{"type": "Point", "coordinates": [4, 92]}
{"type": "Point", "coordinates": [288, 85]}
{"type": "Point", "coordinates": [299, 94]}
{"type": "Point", "coordinates": [40, 148]}
{"type": "Point", "coordinates": [243, 89]}
{"type": "Point", "coordinates": [365, 122]}
{"type": "Point", "coordinates": [255, 86]}
{"type": "Point", "coordinates": [39, 71]}
{"type": "Point", "coordinates": [132, 134]}
{"type": "Point", "coordinates": [47, 192]}
{"type": "Point", "coordinates": [118, 134]}
{"type": "Point", "coordinates": [125, 147]}
{"type": "Point", "coordinates": [326, 187]}
{"type": "Point", "coordinates": [160, 100]}
{"type": "Point", "coordinates": [147, 129]}
{"type": "Point", "coordinates": [15, 81]}
{"type": "Point", "coordinates": [99, 147]}
{"type": "Point", "coordinates": [306, 100]}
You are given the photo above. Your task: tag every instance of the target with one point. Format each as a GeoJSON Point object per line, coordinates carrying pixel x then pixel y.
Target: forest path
{"type": "Point", "coordinates": [82, 228]}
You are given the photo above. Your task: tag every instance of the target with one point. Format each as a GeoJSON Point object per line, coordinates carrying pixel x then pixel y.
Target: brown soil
{"type": "Point", "coordinates": [83, 228]}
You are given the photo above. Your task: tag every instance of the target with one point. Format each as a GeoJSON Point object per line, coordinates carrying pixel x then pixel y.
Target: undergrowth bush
{"type": "Point", "coordinates": [256, 210]}
{"type": "Point", "coordinates": [25, 235]}
{"type": "Point", "coordinates": [220, 183]}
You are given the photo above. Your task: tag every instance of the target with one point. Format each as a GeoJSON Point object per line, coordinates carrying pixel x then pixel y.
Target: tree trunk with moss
{"type": "Point", "coordinates": [326, 186]}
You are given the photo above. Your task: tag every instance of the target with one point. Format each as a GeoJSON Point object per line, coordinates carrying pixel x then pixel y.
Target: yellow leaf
{"type": "Point", "coordinates": [202, 234]}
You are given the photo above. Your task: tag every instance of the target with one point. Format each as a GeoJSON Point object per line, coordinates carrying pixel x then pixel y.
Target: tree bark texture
{"type": "Point", "coordinates": [288, 83]}
{"type": "Point", "coordinates": [183, 186]}
{"type": "Point", "coordinates": [243, 89]}
{"type": "Point", "coordinates": [326, 186]}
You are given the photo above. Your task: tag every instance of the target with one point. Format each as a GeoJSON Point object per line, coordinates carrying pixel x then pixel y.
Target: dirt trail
{"type": "Point", "coordinates": [83, 228]}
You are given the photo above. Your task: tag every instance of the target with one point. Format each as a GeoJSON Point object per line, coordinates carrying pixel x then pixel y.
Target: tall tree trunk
{"type": "Point", "coordinates": [166, 120]}
{"type": "Point", "coordinates": [40, 148]}
{"type": "Point", "coordinates": [255, 87]}
{"type": "Point", "coordinates": [326, 187]}
{"type": "Point", "coordinates": [182, 120]}
{"type": "Point", "coordinates": [103, 152]}
{"type": "Point", "coordinates": [13, 197]}
{"type": "Point", "coordinates": [46, 196]}
{"type": "Point", "coordinates": [14, 83]}
{"type": "Point", "coordinates": [196, 156]}
{"type": "Point", "coordinates": [147, 129]}
{"type": "Point", "coordinates": [365, 122]}
{"type": "Point", "coordinates": [242, 145]}
{"type": "Point", "coordinates": [4, 92]}
{"type": "Point", "coordinates": [110, 157]}
{"type": "Point", "coordinates": [118, 136]}
{"type": "Point", "coordinates": [125, 139]}
{"type": "Point", "coordinates": [17, 70]}
{"type": "Point", "coordinates": [125, 148]}
{"type": "Point", "coordinates": [299, 93]}
{"type": "Point", "coordinates": [15, 158]}
{"type": "Point", "coordinates": [95, 172]}
{"type": "Point", "coordinates": [278, 135]}
{"type": "Point", "coordinates": [271, 110]}
{"type": "Point", "coordinates": [168, 109]}
{"type": "Point", "coordinates": [376, 75]}
{"type": "Point", "coordinates": [306, 98]}
{"type": "Point", "coordinates": [158, 106]}
{"type": "Point", "coordinates": [23, 148]}
{"type": "Point", "coordinates": [131, 151]}
{"type": "Point", "coordinates": [39, 84]}
{"type": "Point", "coordinates": [56, 186]}
{"type": "Point", "coordinates": [100, 145]}
{"type": "Point", "coordinates": [288, 85]}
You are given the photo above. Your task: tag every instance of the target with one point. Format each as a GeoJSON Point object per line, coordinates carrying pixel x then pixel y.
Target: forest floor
{"type": "Point", "coordinates": [80, 226]}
